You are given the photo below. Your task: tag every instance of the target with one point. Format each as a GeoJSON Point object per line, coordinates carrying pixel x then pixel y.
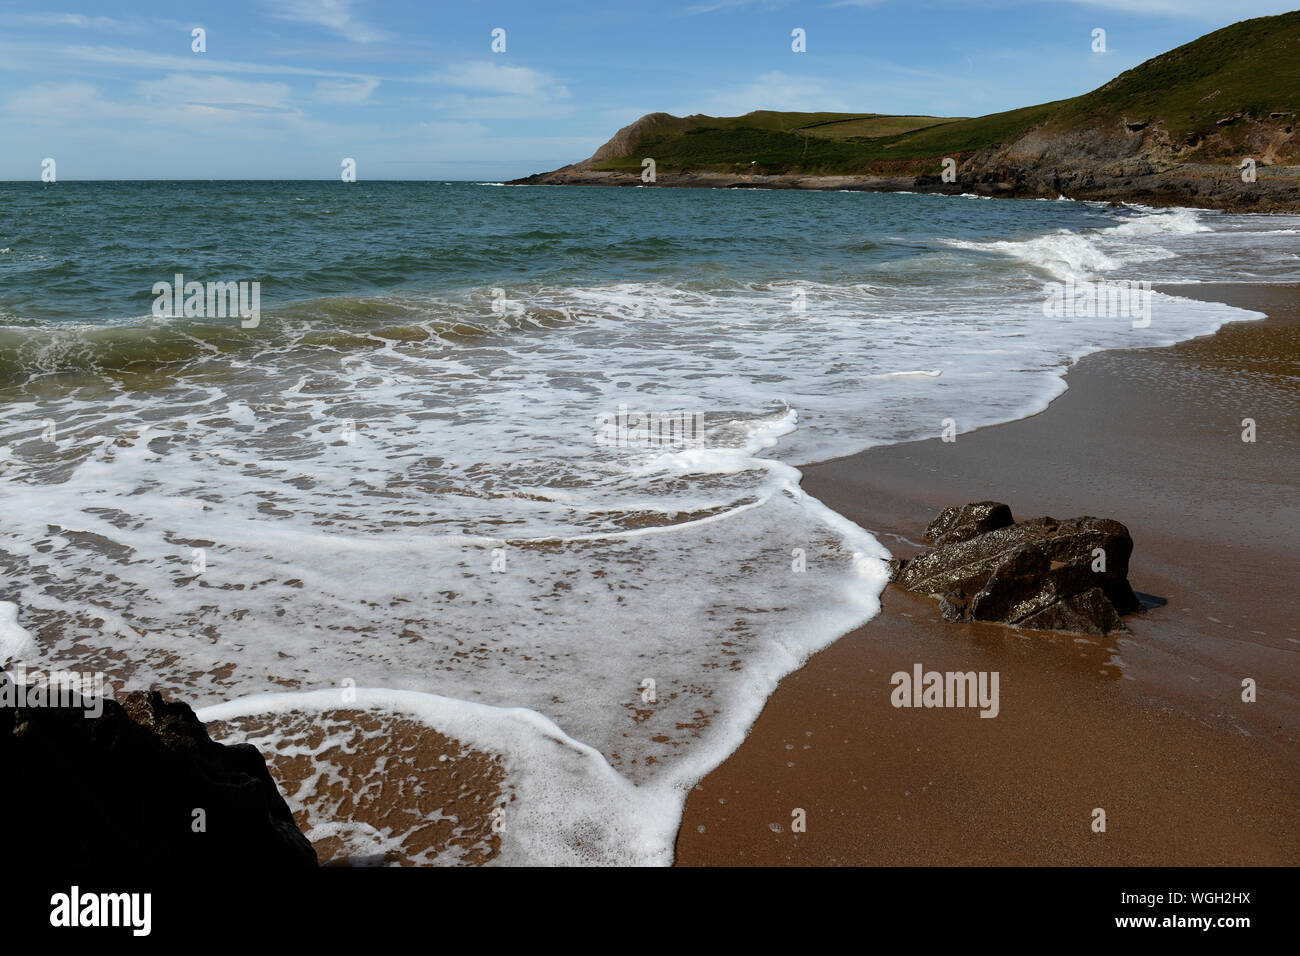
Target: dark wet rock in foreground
{"type": "Point", "coordinates": [1043, 573]}
{"type": "Point", "coordinates": [141, 786]}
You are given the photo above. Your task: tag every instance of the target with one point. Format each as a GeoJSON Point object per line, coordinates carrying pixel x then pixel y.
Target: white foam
{"type": "Point", "coordinates": [1065, 254]}
{"type": "Point", "coordinates": [16, 642]}
{"type": "Point", "coordinates": [572, 807]}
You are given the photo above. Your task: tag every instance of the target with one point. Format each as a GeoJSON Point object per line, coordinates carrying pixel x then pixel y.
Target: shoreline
{"type": "Point", "coordinates": [1147, 725]}
{"type": "Point", "coordinates": [784, 755]}
{"type": "Point", "coordinates": [1197, 187]}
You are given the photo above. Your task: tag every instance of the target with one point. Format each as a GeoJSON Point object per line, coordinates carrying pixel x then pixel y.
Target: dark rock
{"type": "Point", "coordinates": [965, 522]}
{"type": "Point", "coordinates": [1038, 573]}
{"type": "Point", "coordinates": [1081, 543]}
{"type": "Point", "coordinates": [1087, 613]}
{"type": "Point", "coordinates": [1020, 585]}
{"type": "Point", "coordinates": [953, 606]}
{"type": "Point", "coordinates": [121, 789]}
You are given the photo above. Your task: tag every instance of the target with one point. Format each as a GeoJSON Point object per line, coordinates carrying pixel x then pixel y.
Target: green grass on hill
{"type": "Point", "coordinates": [870, 127]}
{"type": "Point", "coordinates": [744, 150]}
{"type": "Point", "coordinates": [1252, 68]}
{"type": "Point", "coordinates": [739, 148]}
{"type": "Point", "coordinates": [770, 120]}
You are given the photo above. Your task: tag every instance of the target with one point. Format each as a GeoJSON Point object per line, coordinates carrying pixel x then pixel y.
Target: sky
{"type": "Point", "coordinates": [287, 89]}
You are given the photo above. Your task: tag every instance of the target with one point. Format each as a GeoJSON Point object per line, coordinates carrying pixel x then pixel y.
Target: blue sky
{"type": "Point", "coordinates": [287, 88]}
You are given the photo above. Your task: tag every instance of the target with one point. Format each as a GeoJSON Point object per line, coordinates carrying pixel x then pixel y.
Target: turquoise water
{"type": "Point", "coordinates": [399, 477]}
{"type": "Point", "coordinates": [90, 252]}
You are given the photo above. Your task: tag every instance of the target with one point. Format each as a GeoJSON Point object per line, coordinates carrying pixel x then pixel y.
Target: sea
{"type": "Point", "coordinates": [518, 463]}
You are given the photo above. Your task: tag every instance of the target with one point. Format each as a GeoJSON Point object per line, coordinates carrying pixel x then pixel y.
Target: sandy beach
{"type": "Point", "coordinates": [1149, 726]}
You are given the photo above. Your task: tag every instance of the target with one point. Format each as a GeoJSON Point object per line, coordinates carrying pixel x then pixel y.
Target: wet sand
{"type": "Point", "coordinates": [375, 789]}
{"type": "Point", "coordinates": [1149, 726]}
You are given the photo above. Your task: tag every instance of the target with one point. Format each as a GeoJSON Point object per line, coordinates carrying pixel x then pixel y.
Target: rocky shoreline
{"type": "Point", "coordinates": [1276, 189]}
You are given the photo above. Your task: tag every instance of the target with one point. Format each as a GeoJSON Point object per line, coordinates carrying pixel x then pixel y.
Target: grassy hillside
{"type": "Point", "coordinates": [1249, 67]}
{"type": "Point", "coordinates": [864, 142]}
{"type": "Point", "coordinates": [1193, 97]}
{"type": "Point", "coordinates": [872, 126]}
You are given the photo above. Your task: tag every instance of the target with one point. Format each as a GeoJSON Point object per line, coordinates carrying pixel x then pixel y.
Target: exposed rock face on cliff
{"type": "Point", "coordinates": [1118, 165]}
{"type": "Point", "coordinates": [1046, 574]}
{"type": "Point", "coordinates": [142, 786]}
{"type": "Point", "coordinates": [626, 140]}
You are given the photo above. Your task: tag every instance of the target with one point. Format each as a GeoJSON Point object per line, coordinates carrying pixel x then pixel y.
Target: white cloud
{"type": "Point", "coordinates": [346, 91]}
{"type": "Point", "coordinates": [334, 15]}
{"type": "Point", "coordinates": [488, 90]}
{"type": "Point", "coordinates": [499, 78]}
{"type": "Point", "coordinates": [78, 20]}
{"type": "Point", "coordinates": [216, 94]}
{"type": "Point", "coordinates": [139, 58]}
{"type": "Point", "coordinates": [55, 101]}
{"type": "Point", "coordinates": [712, 6]}
{"type": "Point", "coordinates": [176, 100]}
{"type": "Point", "coordinates": [29, 57]}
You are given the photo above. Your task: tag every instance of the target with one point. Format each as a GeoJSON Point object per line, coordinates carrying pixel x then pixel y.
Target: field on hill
{"type": "Point", "coordinates": [758, 143]}
{"type": "Point", "coordinates": [871, 126]}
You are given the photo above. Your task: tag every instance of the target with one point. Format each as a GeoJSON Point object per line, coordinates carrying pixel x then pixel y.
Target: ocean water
{"type": "Point", "coordinates": [406, 486]}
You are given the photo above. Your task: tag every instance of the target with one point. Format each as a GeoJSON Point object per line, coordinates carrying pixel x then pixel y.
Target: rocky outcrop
{"type": "Point", "coordinates": [1043, 573]}
{"type": "Point", "coordinates": [626, 139]}
{"type": "Point", "coordinates": [1149, 177]}
{"type": "Point", "coordinates": [140, 786]}
{"type": "Point", "coordinates": [1204, 186]}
